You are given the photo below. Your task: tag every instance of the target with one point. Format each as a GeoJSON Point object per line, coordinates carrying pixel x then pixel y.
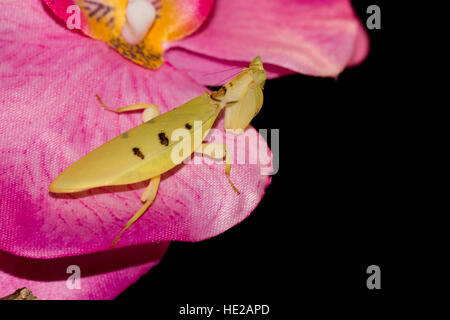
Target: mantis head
{"type": "Point", "coordinates": [243, 96]}
{"type": "Point", "coordinates": [259, 74]}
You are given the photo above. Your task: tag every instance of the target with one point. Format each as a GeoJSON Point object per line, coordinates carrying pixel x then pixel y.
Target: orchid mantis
{"type": "Point", "coordinates": [154, 147]}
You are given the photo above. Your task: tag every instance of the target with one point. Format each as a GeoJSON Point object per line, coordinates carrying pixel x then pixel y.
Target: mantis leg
{"type": "Point", "coordinates": [151, 110]}
{"type": "Point", "coordinates": [218, 151]}
{"type": "Point", "coordinates": [149, 194]}
{"type": "Point", "coordinates": [148, 197]}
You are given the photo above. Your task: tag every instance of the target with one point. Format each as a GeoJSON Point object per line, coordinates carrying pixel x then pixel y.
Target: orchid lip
{"type": "Point", "coordinates": [140, 16]}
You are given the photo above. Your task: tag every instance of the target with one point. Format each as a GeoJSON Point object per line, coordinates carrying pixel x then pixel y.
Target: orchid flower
{"type": "Point", "coordinates": [49, 76]}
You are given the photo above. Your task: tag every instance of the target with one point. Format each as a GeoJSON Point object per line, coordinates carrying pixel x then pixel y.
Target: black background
{"type": "Point", "coordinates": [334, 208]}
{"type": "Point", "coordinates": [353, 163]}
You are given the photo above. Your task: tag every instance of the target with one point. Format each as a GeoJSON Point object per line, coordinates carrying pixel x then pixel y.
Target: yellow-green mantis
{"type": "Point", "coordinates": [164, 141]}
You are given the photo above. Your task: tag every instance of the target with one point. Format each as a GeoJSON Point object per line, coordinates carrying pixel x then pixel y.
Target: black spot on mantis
{"type": "Point", "coordinates": [188, 126]}
{"type": "Point", "coordinates": [215, 99]}
{"type": "Point", "coordinates": [163, 139]}
{"type": "Point", "coordinates": [137, 152]}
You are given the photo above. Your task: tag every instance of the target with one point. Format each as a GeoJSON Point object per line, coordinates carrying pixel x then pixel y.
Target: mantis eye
{"type": "Point", "coordinates": [256, 63]}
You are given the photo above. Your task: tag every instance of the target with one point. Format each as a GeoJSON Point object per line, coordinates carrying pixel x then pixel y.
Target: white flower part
{"type": "Point", "coordinates": [140, 17]}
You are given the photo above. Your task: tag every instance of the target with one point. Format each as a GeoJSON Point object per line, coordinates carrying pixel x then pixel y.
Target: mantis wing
{"type": "Point", "coordinates": [140, 153]}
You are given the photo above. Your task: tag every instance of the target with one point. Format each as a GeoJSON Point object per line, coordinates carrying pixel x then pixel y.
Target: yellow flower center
{"type": "Point", "coordinates": [137, 28]}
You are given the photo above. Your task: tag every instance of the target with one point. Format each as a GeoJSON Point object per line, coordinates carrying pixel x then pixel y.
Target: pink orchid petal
{"type": "Point", "coordinates": [214, 71]}
{"type": "Point", "coordinates": [49, 76]}
{"type": "Point", "coordinates": [60, 8]}
{"type": "Point", "coordinates": [103, 275]}
{"type": "Point", "coordinates": [313, 37]}
{"type": "Point", "coordinates": [361, 49]}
